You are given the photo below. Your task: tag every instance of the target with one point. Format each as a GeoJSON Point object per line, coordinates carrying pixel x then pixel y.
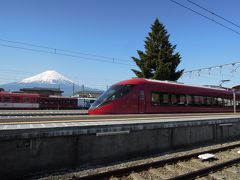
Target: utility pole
{"type": "Point", "coordinates": [73, 88]}
{"type": "Point", "coordinates": [83, 90]}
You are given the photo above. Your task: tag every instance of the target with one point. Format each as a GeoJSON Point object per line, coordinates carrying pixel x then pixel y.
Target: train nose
{"type": "Point", "coordinates": [96, 111]}
{"type": "Point", "coordinates": [89, 111]}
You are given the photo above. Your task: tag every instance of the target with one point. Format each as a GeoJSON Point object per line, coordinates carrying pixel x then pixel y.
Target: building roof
{"type": "Point", "coordinates": [236, 87]}
{"type": "Point", "coordinates": [42, 89]}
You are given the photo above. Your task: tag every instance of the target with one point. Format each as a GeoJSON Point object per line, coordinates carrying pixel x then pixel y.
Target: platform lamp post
{"type": "Point", "coordinates": [223, 81]}
{"type": "Point", "coordinates": [234, 94]}
{"type": "Point", "coordinates": [234, 101]}
{"type": "Point", "coordinates": [83, 93]}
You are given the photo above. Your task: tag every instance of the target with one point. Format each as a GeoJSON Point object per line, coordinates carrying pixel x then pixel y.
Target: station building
{"type": "Point", "coordinates": [43, 91]}
{"type": "Point", "coordinates": [88, 94]}
{"type": "Point", "coordinates": [236, 87]}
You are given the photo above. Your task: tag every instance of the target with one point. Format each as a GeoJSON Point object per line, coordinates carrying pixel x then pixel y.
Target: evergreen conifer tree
{"type": "Point", "coordinates": [159, 60]}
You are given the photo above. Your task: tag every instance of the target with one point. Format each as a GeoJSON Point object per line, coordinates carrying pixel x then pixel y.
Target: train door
{"type": "Point", "coordinates": [141, 101]}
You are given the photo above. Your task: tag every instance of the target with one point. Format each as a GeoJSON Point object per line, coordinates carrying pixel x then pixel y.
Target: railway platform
{"type": "Point", "coordinates": [40, 146]}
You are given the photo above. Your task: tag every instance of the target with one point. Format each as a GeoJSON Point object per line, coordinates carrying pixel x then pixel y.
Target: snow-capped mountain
{"type": "Point", "coordinates": [51, 77]}
{"type": "Point", "coordinates": [47, 79]}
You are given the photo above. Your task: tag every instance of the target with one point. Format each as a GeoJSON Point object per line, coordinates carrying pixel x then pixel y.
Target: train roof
{"type": "Point", "coordinates": [139, 81]}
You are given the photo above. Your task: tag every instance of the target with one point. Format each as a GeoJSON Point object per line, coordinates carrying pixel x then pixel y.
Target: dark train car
{"type": "Point", "coordinates": [57, 102]}
{"type": "Point", "coordinates": [152, 96]}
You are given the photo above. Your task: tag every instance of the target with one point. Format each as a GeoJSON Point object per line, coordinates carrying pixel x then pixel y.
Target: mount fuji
{"type": "Point", "coordinates": [47, 79]}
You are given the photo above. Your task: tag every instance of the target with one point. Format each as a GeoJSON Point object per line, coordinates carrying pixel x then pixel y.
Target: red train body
{"type": "Point", "coordinates": [151, 96]}
{"type": "Point", "coordinates": [35, 101]}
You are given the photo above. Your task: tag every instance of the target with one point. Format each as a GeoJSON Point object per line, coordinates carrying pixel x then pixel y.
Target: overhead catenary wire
{"type": "Point", "coordinates": [212, 67]}
{"type": "Point", "coordinates": [213, 13]}
{"type": "Point", "coordinates": [215, 79]}
{"type": "Point", "coordinates": [59, 49]}
{"type": "Point", "coordinates": [65, 54]}
{"type": "Point", "coordinates": [217, 74]}
{"type": "Point", "coordinates": [206, 17]}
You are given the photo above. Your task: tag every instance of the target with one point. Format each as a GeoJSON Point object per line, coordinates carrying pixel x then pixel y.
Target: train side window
{"type": "Point", "coordinates": [238, 103]}
{"type": "Point", "coordinates": [189, 100]}
{"type": "Point", "coordinates": [228, 102]}
{"type": "Point", "coordinates": [55, 101]}
{"type": "Point", "coordinates": [6, 99]}
{"type": "Point", "coordinates": [209, 101]}
{"type": "Point", "coordinates": [141, 95]}
{"type": "Point", "coordinates": [16, 99]}
{"type": "Point", "coordinates": [26, 99]}
{"type": "Point", "coordinates": [174, 99]}
{"type": "Point", "coordinates": [155, 98]}
{"type": "Point", "coordinates": [201, 100]}
{"type": "Point", "coordinates": [196, 100]}
{"type": "Point", "coordinates": [165, 99]}
{"type": "Point", "coordinates": [182, 100]}
{"type": "Point", "coordinates": [204, 100]}
{"type": "Point", "coordinates": [224, 102]}
{"type": "Point", "coordinates": [215, 102]}
{"type": "Point", "coordinates": [220, 101]}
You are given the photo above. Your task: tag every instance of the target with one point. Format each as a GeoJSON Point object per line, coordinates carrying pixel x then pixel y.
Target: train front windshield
{"type": "Point", "coordinates": [113, 93]}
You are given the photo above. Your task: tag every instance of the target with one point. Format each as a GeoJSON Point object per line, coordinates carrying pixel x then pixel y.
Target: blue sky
{"type": "Point", "coordinates": [115, 29]}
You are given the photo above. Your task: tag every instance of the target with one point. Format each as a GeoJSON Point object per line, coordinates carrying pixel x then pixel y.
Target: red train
{"type": "Point", "coordinates": [35, 101]}
{"type": "Point", "coordinates": [152, 96]}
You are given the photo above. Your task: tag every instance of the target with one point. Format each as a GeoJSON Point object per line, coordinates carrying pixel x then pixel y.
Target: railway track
{"type": "Point", "coordinates": [187, 166]}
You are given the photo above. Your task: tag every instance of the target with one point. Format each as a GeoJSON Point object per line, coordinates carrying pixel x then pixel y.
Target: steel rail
{"type": "Point", "coordinates": [146, 166]}
{"type": "Point", "coordinates": [207, 170]}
